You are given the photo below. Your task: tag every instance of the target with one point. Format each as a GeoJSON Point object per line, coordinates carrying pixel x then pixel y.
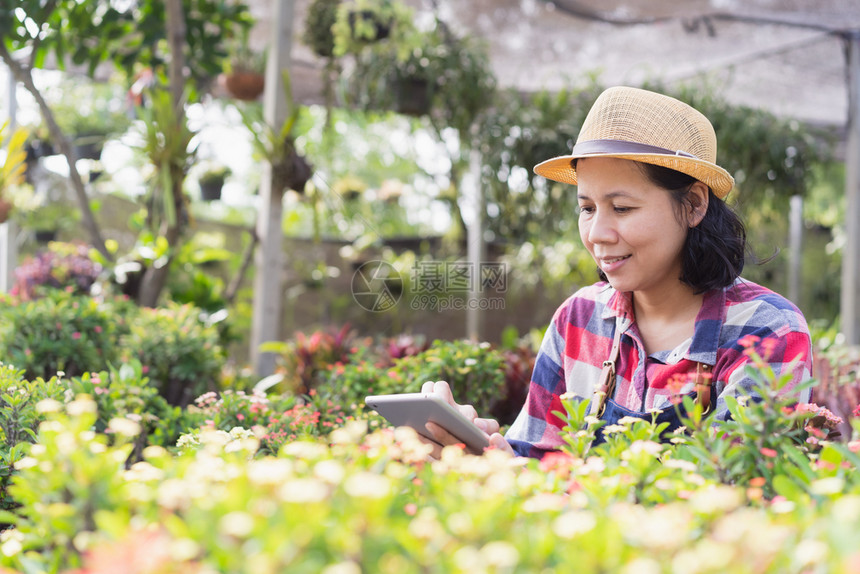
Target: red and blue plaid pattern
{"type": "Point", "coordinates": [580, 337]}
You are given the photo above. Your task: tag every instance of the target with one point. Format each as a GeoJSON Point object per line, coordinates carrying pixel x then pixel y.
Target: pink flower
{"type": "Point", "coordinates": [768, 346]}
{"type": "Point", "coordinates": [144, 369]}
{"type": "Point", "coordinates": [76, 335]}
{"type": "Point", "coordinates": [748, 341]}
{"type": "Point", "coordinates": [240, 417]}
{"type": "Point", "coordinates": [97, 328]}
{"type": "Point", "coordinates": [558, 462]}
{"type": "Point", "coordinates": [768, 452]}
{"type": "Point", "coordinates": [856, 411]}
{"type": "Point", "coordinates": [411, 509]}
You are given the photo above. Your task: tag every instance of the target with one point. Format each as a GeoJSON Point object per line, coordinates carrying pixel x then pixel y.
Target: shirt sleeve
{"type": "Point", "coordinates": [536, 429]}
{"type": "Point", "coordinates": [782, 341]}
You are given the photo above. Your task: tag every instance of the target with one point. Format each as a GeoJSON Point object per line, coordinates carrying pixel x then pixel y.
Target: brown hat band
{"type": "Point", "coordinates": [600, 147]}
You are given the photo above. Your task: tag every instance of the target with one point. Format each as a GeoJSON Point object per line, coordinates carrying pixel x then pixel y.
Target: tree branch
{"type": "Point", "coordinates": [24, 75]}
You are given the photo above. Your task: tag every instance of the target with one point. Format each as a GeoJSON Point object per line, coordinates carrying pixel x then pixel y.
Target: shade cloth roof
{"type": "Point", "coordinates": [795, 68]}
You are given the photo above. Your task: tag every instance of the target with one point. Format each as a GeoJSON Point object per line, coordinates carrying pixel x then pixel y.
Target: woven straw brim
{"type": "Point", "coordinates": [718, 179]}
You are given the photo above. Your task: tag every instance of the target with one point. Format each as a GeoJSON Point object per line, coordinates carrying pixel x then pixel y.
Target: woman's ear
{"type": "Point", "coordinates": [698, 206]}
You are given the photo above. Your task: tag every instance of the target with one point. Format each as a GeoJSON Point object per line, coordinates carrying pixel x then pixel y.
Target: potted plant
{"type": "Point", "coordinates": [360, 23]}
{"type": "Point", "coordinates": [45, 217]}
{"type": "Point", "coordinates": [418, 72]}
{"type": "Point", "coordinates": [318, 34]}
{"type": "Point", "coordinates": [244, 73]}
{"type": "Point", "coordinates": [212, 180]}
{"type": "Point", "coordinates": [90, 114]}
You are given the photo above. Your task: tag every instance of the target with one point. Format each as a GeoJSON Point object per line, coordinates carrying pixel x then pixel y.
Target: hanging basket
{"type": "Point", "coordinates": [244, 85]}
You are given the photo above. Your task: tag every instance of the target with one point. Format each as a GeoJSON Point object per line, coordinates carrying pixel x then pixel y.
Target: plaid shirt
{"type": "Point", "coordinates": [580, 337]}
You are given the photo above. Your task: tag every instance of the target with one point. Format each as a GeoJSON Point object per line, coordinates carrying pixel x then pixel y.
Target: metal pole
{"type": "Point", "coordinates": [850, 297]}
{"type": "Point", "coordinates": [8, 232]}
{"type": "Point", "coordinates": [795, 247]}
{"type": "Point", "coordinates": [475, 246]}
{"type": "Point", "coordinates": [268, 282]}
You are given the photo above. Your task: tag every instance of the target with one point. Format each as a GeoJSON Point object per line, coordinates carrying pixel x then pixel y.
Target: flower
{"type": "Point", "coordinates": [768, 452]}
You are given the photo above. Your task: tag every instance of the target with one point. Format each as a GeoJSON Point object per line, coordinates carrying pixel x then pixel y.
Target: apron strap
{"type": "Point", "coordinates": [703, 386]}
{"type": "Point", "coordinates": [606, 385]}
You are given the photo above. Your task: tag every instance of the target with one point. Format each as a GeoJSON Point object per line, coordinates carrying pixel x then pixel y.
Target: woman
{"type": "Point", "coordinates": [671, 314]}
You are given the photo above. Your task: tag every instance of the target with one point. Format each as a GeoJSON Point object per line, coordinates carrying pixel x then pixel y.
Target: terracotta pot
{"type": "Point", "coordinates": [5, 209]}
{"type": "Point", "coordinates": [244, 85]}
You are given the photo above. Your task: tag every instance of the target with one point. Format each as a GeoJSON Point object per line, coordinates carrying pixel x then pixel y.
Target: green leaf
{"type": "Point", "coordinates": [786, 487]}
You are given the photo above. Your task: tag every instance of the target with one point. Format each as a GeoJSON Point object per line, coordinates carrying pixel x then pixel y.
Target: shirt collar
{"type": "Point", "coordinates": [706, 334]}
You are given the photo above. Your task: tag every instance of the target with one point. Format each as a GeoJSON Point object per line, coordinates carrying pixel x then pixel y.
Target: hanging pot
{"type": "Point", "coordinates": [211, 190]}
{"type": "Point", "coordinates": [245, 85]}
{"type": "Point", "coordinates": [412, 96]}
{"type": "Point", "coordinates": [45, 235]}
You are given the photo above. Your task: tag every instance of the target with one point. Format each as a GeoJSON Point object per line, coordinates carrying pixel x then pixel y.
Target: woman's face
{"type": "Point", "coordinates": [629, 225]}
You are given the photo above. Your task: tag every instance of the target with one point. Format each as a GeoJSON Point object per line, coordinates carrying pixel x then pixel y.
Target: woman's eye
{"type": "Point", "coordinates": [619, 209]}
{"type": "Point", "coordinates": [586, 209]}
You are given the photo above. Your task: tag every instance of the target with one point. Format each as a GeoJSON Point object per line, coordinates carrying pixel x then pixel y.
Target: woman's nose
{"type": "Point", "coordinates": [601, 228]}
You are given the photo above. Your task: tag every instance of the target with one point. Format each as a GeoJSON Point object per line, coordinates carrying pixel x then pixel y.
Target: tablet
{"type": "Point", "coordinates": [416, 409]}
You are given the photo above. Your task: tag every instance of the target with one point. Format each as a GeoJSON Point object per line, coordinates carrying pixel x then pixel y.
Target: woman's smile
{"type": "Point", "coordinates": [630, 226]}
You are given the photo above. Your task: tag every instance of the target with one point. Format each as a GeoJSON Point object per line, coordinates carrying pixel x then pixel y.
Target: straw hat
{"type": "Point", "coordinates": [639, 125]}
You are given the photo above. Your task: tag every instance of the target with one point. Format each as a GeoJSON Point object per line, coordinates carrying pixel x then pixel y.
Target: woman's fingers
{"type": "Point", "coordinates": [498, 441]}
{"type": "Point", "coordinates": [443, 438]}
{"type": "Point", "coordinates": [489, 426]}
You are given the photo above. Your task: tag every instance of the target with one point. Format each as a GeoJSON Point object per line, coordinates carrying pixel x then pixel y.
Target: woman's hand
{"type": "Point", "coordinates": [442, 438]}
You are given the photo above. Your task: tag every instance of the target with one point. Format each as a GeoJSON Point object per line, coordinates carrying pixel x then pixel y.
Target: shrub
{"type": "Point", "coordinates": [179, 352]}
{"type": "Point", "coordinates": [370, 502]}
{"type": "Point", "coordinates": [475, 372]}
{"type": "Point", "coordinates": [19, 419]}
{"type": "Point", "coordinates": [303, 362]}
{"type": "Point", "coordinates": [63, 266]}
{"type": "Point", "coordinates": [124, 392]}
{"type": "Point", "coordinates": [276, 420]}
{"type": "Point", "coordinates": [838, 372]}
{"type": "Point", "coordinates": [59, 332]}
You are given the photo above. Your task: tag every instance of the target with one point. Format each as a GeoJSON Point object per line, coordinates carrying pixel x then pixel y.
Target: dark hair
{"type": "Point", "coordinates": [713, 253]}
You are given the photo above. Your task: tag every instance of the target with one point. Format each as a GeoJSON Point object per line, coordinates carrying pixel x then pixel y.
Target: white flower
{"type": "Point", "coordinates": [827, 486]}
{"type": "Point", "coordinates": [124, 427]}
{"type": "Point", "coordinates": [48, 406]}
{"type": "Point", "coordinates": [348, 567]}
{"type": "Point", "coordinates": [81, 405]}
{"type": "Point", "coordinates": [680, 464]}
{"type": "Point", "coordinates": [269, 471]}
{"type": "Point", "coordinates": [574, 523]}
{"type": "Point", "coordinates": [330, 471]}
{"type": "Point", "coordinates": [237, 523]}
{"type": "Point", "coordinates": [501, 554]}
{"type": "Point", "coordinates": [367, 485]}
{"type": "Point", "coordinates": [303, 490]}
{"type": "Point", "coordinates": [610, 429]}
